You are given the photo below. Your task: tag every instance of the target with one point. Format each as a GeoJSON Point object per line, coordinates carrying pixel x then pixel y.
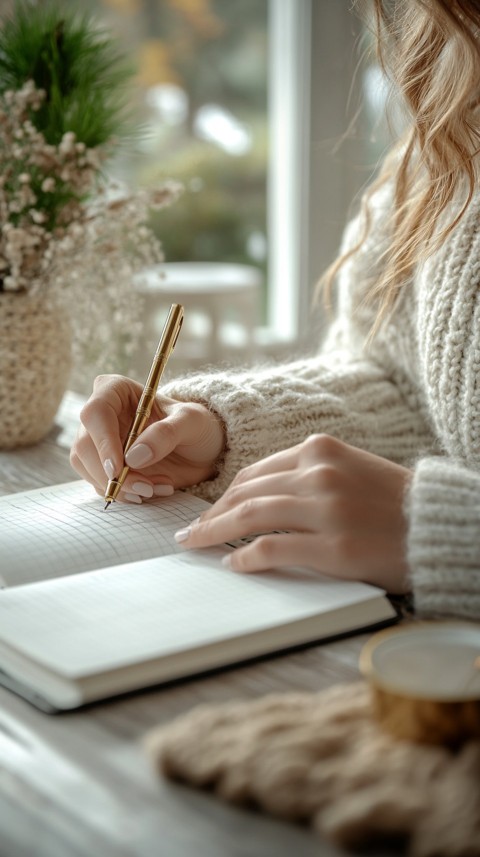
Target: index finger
{"type": "Point", "coordinates": [278, 462]}
{"type": "Point", "coordinates": [100, 417]}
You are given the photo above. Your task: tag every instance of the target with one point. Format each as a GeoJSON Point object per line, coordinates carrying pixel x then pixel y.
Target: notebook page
{"type": "Point", "coordinates": [124, 615]}
{"type": "Point", "coordinates": [63, 529]}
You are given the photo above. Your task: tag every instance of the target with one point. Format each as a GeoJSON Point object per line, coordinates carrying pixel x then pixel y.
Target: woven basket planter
{"type": "Point", "coordinates": [35, 362]}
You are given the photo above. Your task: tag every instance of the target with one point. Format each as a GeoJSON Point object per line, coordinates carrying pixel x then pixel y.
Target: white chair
{"type": "Point", "coordinates": [221, 303]}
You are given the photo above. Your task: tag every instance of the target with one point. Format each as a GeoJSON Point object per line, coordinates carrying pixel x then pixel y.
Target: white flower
{"type": "Point", "coordinates": [85, 253]}
{"type": "Point", "coordinates": [48, 184]}
{"type": "Point", "coordinates": [67, 144]}
{"type": "Point", "coordinates": [37, 216]}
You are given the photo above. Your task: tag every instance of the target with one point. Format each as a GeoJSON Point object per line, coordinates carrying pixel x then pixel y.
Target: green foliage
{"type": "Point", "coordinates": [223, 203]}
{"type": "Point", "coordinates": [82, 71]}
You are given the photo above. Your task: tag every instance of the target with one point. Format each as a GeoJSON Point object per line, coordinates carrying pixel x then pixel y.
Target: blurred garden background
{"type": "Point", "coordinates": [202, 107]}
{"type": "Point", "coordinates": [212, 82]}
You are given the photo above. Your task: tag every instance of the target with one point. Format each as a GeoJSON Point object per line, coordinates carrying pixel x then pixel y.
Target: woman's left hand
{"type": "Point", "coordinates": [342, 508]}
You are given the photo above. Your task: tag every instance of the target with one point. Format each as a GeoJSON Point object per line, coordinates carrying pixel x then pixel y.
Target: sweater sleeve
{"type": "Point", "coordinates": [268, 409]}
{"type": "Point", "coordinates": [363, 399]}
{"type": "Point", "coordinates": [443, 507]}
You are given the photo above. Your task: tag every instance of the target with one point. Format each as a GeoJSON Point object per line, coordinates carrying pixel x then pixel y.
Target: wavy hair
{"type": "Point", "coordinates": [430, 50]}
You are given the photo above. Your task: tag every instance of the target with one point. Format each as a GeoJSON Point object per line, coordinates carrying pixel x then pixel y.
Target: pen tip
{"type": "Point", "coordinates": [107, 504]}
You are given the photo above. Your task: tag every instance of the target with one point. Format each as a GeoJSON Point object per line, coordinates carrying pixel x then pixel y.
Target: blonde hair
{"type": "Point", "coordinates": [431, 51]}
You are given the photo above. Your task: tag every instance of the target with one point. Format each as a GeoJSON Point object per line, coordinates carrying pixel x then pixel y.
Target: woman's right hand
{"type": "Point", "coordinates": [179, 446]}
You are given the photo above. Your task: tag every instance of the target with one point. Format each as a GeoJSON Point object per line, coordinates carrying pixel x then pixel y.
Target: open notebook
{"type": "Point", "coordinates": [98, 603]}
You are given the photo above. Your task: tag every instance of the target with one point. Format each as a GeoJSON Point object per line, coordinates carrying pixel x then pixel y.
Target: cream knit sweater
{"type": "Point", "coordinates": [413, 397]}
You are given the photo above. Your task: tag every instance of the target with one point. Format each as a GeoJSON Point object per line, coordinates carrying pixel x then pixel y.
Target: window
{"type": "Point", "coordinates": [202, 75]}
{"type": "Point", "coordinates": [245, 102]}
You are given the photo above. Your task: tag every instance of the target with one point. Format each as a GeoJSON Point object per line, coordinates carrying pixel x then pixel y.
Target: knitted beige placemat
{"type": "Point", "coordinates": [323, 758]}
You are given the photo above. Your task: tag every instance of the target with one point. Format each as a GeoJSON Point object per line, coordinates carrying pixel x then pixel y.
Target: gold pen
{"type": "Point", "coordinates": [166, 345]}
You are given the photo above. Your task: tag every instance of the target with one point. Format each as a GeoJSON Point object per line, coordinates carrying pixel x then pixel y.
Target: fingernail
{"type": "Point", "coordinates": [143, 488]}
{"type": "Point", "coordinates": [163, 490]}
{"type": "Point", "coordinates": [182, 535]}
{"type": "Point", "coordinates": [132, 498]}
{"type": "Point", "coordinates": [108, 468]}
{"type": "Point", "coordinates": [227, 561]}
{"type": "Point", "coordinates": [138, 455]}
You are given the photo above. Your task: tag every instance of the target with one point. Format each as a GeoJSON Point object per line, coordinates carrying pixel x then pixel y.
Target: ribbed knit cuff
{"type": "Point", "coordinates": [270, 408]}
{"type": "Point", "coordinates": [444, 539]}
{"type": "Point", "coordinates": [244, 413]}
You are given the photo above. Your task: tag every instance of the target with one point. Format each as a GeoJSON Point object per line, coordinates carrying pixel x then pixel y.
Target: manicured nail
{"type": "Point", "coordinates": [163, 490]}
{"type": "Point", "coordinates": [182, 535]}
{"type": "Point", "coordinates": [138, 455]}
{"type": "Point", "coordinates": [132, 498]}
{"type": "Point", "coordinates": [109, 468]}
{"type": "Point", "coordinates": [143, 488]}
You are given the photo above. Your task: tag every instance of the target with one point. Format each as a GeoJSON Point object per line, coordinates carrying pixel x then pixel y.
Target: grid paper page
{"type": "Point", "coordinates": [124, 615]}
{"type": "Point", "coordinates": [63, 529]}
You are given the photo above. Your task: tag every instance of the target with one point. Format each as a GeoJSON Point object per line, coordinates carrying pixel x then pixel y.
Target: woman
{"type": "Point", "coordinates": [368, 454]}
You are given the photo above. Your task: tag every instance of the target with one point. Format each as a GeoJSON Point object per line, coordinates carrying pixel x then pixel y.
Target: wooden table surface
{"type": "Point", "coordinates": [79, 784]}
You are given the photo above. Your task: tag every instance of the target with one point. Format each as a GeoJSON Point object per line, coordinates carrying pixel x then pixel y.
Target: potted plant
{"type": "Point", "coordinates": [70, 240]}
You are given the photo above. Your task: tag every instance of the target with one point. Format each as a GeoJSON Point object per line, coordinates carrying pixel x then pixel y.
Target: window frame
{"type": "Point", "coordinates": [316, 168]}
{"type": "Point", "coordinates": [288, 169]}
